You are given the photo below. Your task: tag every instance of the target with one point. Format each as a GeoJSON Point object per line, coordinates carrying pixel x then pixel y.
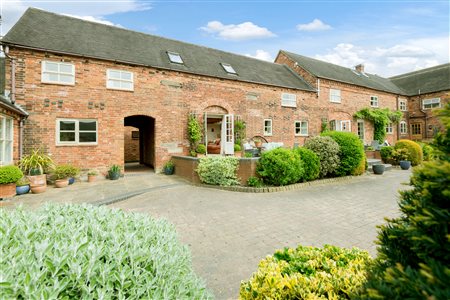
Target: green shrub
{"type": "Point", "coordinates": [10, 174]}
{"type": "Point", "coordinates": [201, 149]}
{"type": "Point", "coordinates": [194, 131]}
{"type": "Point", "coordinates": [311, 163]}
{"type": "Point", "coordinates": [255, 181]}
{"type": "Point", "coordinates": [415, 154]}
{"type": "Point", "coordinates": [328, 152]}
{"type": "Point", "coordinates": [414, 254]}
{"type": "Point", "coordinates": [237, 148]}
{"type": "Point", "coordinates": [280, 167]}
{"type": "Point", "coordinates": [308, 273]}
{"type": "Point", "coordinates": [218, 170]}
{"type": "Point", "coordinates": [427, 150]}
{"type": "Point", "coordinates": [361, 168]}
{"type": "Point", "coordinates": [65, 171]}
{"type": "Point", "coordinates": [86, 252]}
{"type": "Point", "coordinates": [386, 154]}
{"type": "Point", "coordinates": [351, 153]}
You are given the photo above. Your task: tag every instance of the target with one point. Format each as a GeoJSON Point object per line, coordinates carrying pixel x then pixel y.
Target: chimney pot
{"type": "Point", "coordinates": [359, 68]}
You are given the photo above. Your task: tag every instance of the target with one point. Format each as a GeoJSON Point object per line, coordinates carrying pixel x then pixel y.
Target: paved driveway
{"type": "Point", "coordinates": [230, 232]}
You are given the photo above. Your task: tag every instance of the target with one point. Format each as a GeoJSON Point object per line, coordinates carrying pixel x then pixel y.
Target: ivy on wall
{"type": "Point", "coordinates": [380, 117]}
{"type": "Point", "coordinates": [194, 131]}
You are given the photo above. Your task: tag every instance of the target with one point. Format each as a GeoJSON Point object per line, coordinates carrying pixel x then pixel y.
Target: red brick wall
{"type": "Point", "coordinates": [131, 145]}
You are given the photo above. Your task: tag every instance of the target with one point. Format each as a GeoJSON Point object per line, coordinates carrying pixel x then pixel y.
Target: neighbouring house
{"type": "Point", "coordinates": [99, 95]}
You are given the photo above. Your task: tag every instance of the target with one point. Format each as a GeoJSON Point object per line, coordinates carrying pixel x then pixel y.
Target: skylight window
{"type": "Point", "coordinates": [228, 68]}
{"type": "Point", "coordinates": [175, 57]}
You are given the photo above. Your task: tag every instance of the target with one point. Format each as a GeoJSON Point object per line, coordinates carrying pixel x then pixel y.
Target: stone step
{"type": "Point", "coordinates": [373, 161]}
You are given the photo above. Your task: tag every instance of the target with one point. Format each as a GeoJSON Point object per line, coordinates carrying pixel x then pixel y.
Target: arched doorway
{"type": "Point", "coordinates": [139, 141]}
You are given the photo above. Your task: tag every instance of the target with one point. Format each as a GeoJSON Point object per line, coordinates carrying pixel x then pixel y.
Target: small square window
{"type": "Point", "coordinates": [402, 105]}
{"type": "Point", "coordinates": [374, 101]}
{"type": "Point", "coordinates": [268, 127]}
{"type": "Point", "coordinates": [175, 57]}
{"type": "Point", "coordinates": [119, 80]}
{"type": "Point", "coordinates": [389, 128]}
{"type": "Point", "coordinates": [289, 100]}
{"type": "Point", "coordinates": [76, 132]}
{"type": "Point", "coordinates": [228, 68]}
{"type": "Point", "coordinates": [335, 96]}
{"type": "Point", "coordinates": [403, 127]}
{"type": "Point", "coordinates": [58, 72]}
{"type": "Point", "coordinates": [301, 128]}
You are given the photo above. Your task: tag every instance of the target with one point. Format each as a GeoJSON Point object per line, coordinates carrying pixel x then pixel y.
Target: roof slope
{"type": "Point", "coordinates": [6, 103]}
{"type": "Point", "coordinates": [330, 71]}
{"type": "Point", "coordinates": [434, 79]}
{"type": "Point", "coordinates": [52, 32]}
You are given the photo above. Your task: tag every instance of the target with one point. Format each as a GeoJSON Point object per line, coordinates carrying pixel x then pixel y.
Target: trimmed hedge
{"type": "Point", "coordinates": [308, 273]}
{"type": "Point", "coordinates": [352, 151]}
{"type": "Point", "coordinates": [87, 252]}
{"type": "Point", "coordinates": [10, 174]}
{"type": "Point", "coordinates": [311, 163]}
{"type": "Point", "coordinates": [387, 154]}
{"type": "Point", "coordinates": [280, 167]}
{"type": "Point", "coordinates": [415, 154]}
{"type": "Point", "coordinates": [218, 170]}
{"type": "Point", "coordinates": [328, 152]}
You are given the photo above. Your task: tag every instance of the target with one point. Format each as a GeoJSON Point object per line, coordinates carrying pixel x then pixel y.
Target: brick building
{"type": "Point", "coordinates": [88, 86]}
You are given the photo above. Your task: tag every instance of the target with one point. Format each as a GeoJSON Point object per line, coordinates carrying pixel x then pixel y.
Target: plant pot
{"type": "Point", "coordinates": [113, 175]}
{"type": "Point", "coordinates": [7, 190]}
{"type": "Point", "coordinates": [258, 144]}
{"type": "Point", "coordinates": [71, 180]}
{"type": "Point", "coordinates": [91, 178]}
{"type": "Point", "coordinates": [37, 189]}
{"type": "Point", "coordinates": [378, 169]}
{"type": "Point", "coordinates": [238, 154]}
{"type": "Point", "coordinates": [23, 189]}
{"type": "Point", "coordinates": [405, 164]}
{"type": "Point", "coordinates": [169, 170]}
{"type": "Point", "coordinates": [37, 179]}
{"type": "Point", "coordinates": [60, 183]}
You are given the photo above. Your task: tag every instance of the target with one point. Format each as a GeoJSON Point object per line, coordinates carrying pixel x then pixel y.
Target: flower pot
{"type": "Point", "coordinates": [113, 175]}
{"type": "Point", "coordinates": [258, 144]}
{"type": "Point", "coordinates": [91, 178]}
{"type": "Point", "coordinates": [37, 179]}
{"type": "Point", "coordinates": [169, 170]}
{"type": "Point", "coordinates": [23, 189]}
{"type": "Point", "coordinates": [37, 189]}
{"type": "Point", "coordinates": [238, 154]}
{"type": "Point", "coordinates": [60, 183]}
{"type": "Point", "coordinates": [405, 164]}
{"type": "Point", "coordinates": [7, 190]}
{"type": "Point", "coordinates": [378, 169]}
{"type": "Point", "coordinates": [71, 180]}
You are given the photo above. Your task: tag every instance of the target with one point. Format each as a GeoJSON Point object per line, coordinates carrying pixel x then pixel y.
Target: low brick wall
{"type": "Point", "coordinates": [185, 167]}
{"type": "Point", "coordinates": [373, 154]}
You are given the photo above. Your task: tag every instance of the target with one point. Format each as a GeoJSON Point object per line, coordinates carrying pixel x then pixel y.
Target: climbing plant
{"type": "Point", "coordinates": [194, 131]}
{"type": "Point", "coordinates": [380, 118]}
{"type": "Point", "coordinates": [239, 131]}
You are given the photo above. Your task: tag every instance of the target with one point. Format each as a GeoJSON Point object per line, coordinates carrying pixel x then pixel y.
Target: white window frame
{"type": "Point", "coordinates": [228, 68]}
{"type": "Point", "coordinates": [173, 58]}
{"type": "Point", "coordinates": [121, 80]}
{"type": "Point", "coordinates": [77, 132]}
{"type": "Point", "coordinates": [346, 123]}
{"type": "Point", "coordinates": [360, 130]}
{"type": "Point", "coordinates": [402, 105]}
{"type": "Point", "coordinates": [403, 127]}
{"type": "Point", "coordinates": [300, 123]}
{"type": "Point", "coordinates": [59, 73]}
{"type": "Point", "coordinates": [431, 101]}
{"type": "Point", "coordinates": [338, 125]}
{"type": "Point", "coordinates": [335, 96]}
{"type": "Point", "coordinates": [389, 128]}
{"type": "Point", "coordinates": [266, 131]}
{"type": "Point", "coordinates": [4, 141]}
{"type": "Point", "coordinates": [288, 100]}
{"type": "Point", "coordinates": [374, 101]}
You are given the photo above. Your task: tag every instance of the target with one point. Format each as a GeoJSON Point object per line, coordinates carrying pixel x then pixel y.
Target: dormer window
{"type": "Point", "coordinates": [175, 58]}
{"type": "Point", "coordinates": [228, 68]}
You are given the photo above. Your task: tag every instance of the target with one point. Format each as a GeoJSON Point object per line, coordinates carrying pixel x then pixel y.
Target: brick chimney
{"type": "Point", "coordinates": [359, 68]}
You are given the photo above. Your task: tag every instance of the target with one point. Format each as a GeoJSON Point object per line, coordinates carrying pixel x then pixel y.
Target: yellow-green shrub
{"type": "Point", "coordinates": [308, 273]}
{"type": "Point", "coordinates": [415, 154]}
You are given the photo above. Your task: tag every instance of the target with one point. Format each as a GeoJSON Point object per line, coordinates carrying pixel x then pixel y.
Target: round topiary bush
{"type": "Point", "coordinates": [10, 174]}
{"type": "Point", "coordinates": [352, 151]}
{"type": "Point", "coordinates": [415, 154]}
{"type": "Point", "coordinates": [386, 154]}
{"type": "Point", "coordinates": [87, 252]}
{"type": "Point", "coordinates": [328, 152]}
{"type": "Point", "coordinates": [311, 163]}
{"type": "Point", "coordinates": [201, 149]}
{"type": "Point", "coordinates": [280, 167]}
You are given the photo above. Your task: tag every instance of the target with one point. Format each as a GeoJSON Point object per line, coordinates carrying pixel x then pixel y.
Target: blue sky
{"type": "Point", "coordinates": [389, 37]}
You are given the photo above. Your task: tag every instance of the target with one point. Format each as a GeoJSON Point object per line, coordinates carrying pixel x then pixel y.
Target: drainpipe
{"type": "Point", "coordinates": [21, 138]}
{"type": "Point", "coordinates": [13, 80]}
{"type": "Point", "coordinates": [318, 87]}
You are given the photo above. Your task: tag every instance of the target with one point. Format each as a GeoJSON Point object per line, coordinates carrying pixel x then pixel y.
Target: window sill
{"type": "Point", "coordinates": [336, 102]}
{"type": "Point", "coordinates": [301, 135]}
{"type": "Point", "coordinates": [58, 83]}
{"type": "Point", "coordinates": [267, 134]}
{"type": "Point", "coordinates": [117, 89]}
{"type": "Point", "coordinates": [77, 145]}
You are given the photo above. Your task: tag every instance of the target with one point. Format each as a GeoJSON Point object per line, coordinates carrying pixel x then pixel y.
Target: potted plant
{"type": "Point", "coordinates": [169, 168]}
{"type": "Point", "coordinates": [34, 165]}
{"type": "Point", "coordinates": [257, 142]}
{"type": "Point", "coordinates": [92, 175]}
{"type": "Point", "coordinates": [72, 172]}
{"type": "Point", "coordinates": [61, 176]}
{"type": "Point", "coordinates": [22, 186]}
{"type": "Point", "coordinates": [237, 150]}
{"type": "Point", "coordinates": [114, 172]}
{"type": "Point", "coordinates": [201, 150]}
{"type": "Point", "coordinates": [9, 175]}
{"type": "Point", "coordinates": [401, 156]}
{"type": "Point", "coordinates": [378, 169]}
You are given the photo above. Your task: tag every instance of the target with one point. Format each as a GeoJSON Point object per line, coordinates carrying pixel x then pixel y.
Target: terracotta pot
{"type": "Point", "coordinates": [7, 190]}
{"type": "Point", "coordinates": [37, 179]}
{"type": "Point", "coordinates": [37, 189]}
{"type": "Point", "coordinates": [258, 144]}
{"type": "Point", "coordinates": [60, 183]}
{"type": "Point", "coordinates": [91, 178]}
{"type": "Point", "coordinates": [238, 154]}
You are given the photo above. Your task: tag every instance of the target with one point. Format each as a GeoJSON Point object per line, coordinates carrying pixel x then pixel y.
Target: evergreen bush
{"type": "Point", "coordinates": [218, 170]}
{"type": "Point", "coordinates": [10, 174]}
{"type": "Point", "coordinates": [386, 154]}
{"type": "Point", "coordinates": [415, 154]}
{"type": "Point", "coordinates": [328, 152]}
{"type": "Point", "coordinates": [311, 163]}
{"type": "Point", "coordinates": [280, 167]}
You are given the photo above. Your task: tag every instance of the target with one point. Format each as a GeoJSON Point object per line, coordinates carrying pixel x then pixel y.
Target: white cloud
{"type": "Point", "coordinates": [388, 61]}
{"type": "Point", "coordinates": [315, 25]}
{"type": "Point", "coordinates": [262, 55]}
{"type": "Point", "coordinates": [239, 32]}
{"type": "Point", "coordinates": [100, 20]}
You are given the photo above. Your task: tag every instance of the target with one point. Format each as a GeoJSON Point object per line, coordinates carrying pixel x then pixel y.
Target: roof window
{"type": "Point", "coordinates": [228, 68]}
{"type": "Point", "coordinates": [175, 57]}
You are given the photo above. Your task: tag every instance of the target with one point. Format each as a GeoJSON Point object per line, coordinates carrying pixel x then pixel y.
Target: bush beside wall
{"type": "Point", "coordinates": [328, 152]}
{"type": "Point", "coordinates": [218, 170]}
{"type": "Point", "coordinates": [415, 154]}
{"type": "Point", "coordinates": [280, 167]}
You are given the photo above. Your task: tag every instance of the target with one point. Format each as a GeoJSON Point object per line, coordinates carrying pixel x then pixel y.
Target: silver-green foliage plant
{"type": "Point", "coordinates": [86, 252]}
{"type": "Point", "coordinates": [328, 152]}
{"type": "Point", "coordinates": [218, 170]}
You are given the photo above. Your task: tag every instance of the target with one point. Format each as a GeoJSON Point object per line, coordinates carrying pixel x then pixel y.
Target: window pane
{"type": "Point", "coordinates": [88, 125]}
{"type": "Point", "coordinates": [126, 76]}
{"type": "Point", "coordinates": [1, 128]}
{"type": "Point", "coordinates": [113, 74]}
{"type": "Point", "coordinates": [114, 84]}
{"type": "Point", "coordinates": [66, 125]}
{"type": "Point", "coordinates": [127, 85]}
{"type": "Point", "coordinates": [66, 78]}
{"type": "Point", "coordinates": [88, 137]}
{"type": "Point", "coordinates": [8, 129]}
{"type": "Point", "coordinates": [50, 66]}
{"type": "Point", "coordinates": [50, 77]}
{"type": "Point", "coordinates": [8, 152]}
{"type": "Point", "coordinates": [175, 57]}
{"type": "Point", "coordinates": [65, 68]}
{"type": "Point", "coordinates": [67, 136]}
